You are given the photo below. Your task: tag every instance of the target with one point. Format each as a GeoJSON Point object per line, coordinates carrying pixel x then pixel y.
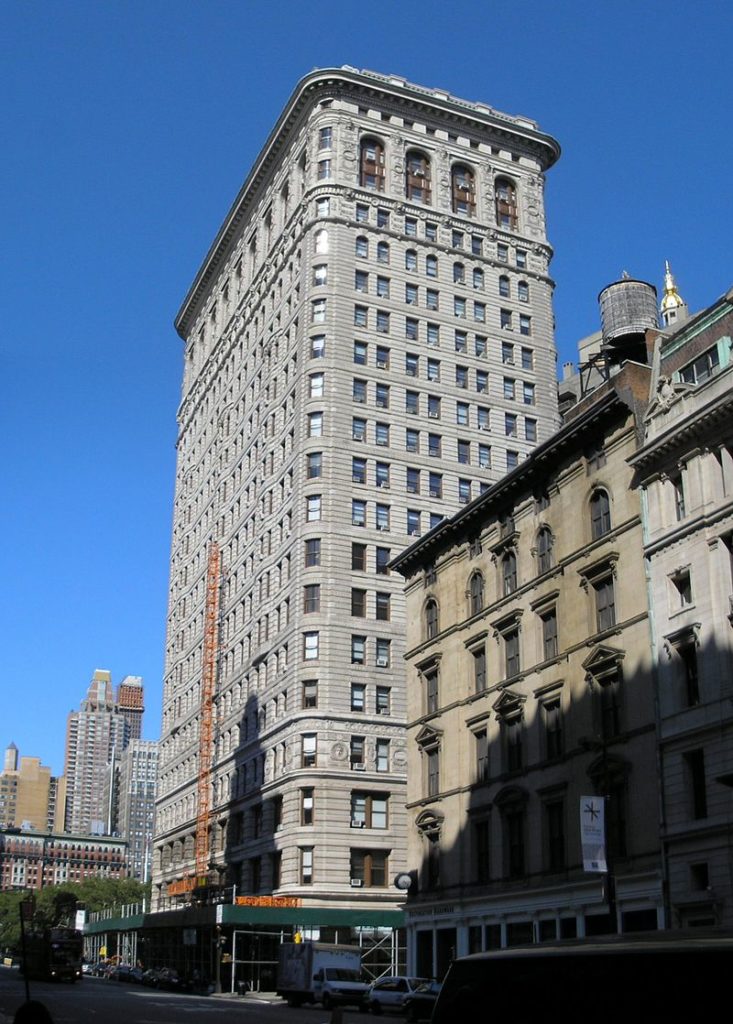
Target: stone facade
{"type": "Point", "coordinates": [530, 686]}
{"type": "Point", "coordinates": [685, 472]}
{"type": "Point", "coordinates": [367, 344]}
{"type": "Point", "coordinates": [32, 860]}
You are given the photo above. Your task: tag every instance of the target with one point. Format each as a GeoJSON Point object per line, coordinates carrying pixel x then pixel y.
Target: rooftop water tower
{"type": "Point", "coordinates": [628, 311]}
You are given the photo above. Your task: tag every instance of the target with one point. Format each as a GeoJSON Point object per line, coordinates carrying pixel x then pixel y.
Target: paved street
{"type": "Point", "coordinates": [107, 1002]}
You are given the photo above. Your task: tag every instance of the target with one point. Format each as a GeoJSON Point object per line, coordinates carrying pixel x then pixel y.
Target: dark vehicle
{"type": "Point", "coordinates": [419, 1005]}
{"type": "Point", "coordinates": [54, 954]}
{"type": "Point", "coordinates": [602, 981]}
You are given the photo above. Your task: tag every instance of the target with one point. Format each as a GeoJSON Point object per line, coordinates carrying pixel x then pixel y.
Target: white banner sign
{"type": "Point", "coordinates": [593, 833]}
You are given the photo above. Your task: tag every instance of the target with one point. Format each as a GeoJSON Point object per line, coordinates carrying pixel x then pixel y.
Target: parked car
{"type": "Point", "coordinates": [120, 973]}
{"type": "Point", "coordinates": [390, 993]}
{"type": "Point", "coordinates": [419, 1005]}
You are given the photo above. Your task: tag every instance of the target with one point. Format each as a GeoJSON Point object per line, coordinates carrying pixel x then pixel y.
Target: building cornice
{"type": "Point", "coordinates": [334, 81]}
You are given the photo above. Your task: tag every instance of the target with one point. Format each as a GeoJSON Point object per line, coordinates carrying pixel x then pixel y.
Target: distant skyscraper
{"type": "Point", "coordinates": [28, 793]}
{"type": "Point", "coordinates": [136, 776]}
{"type": "Point", "coordinates": [94, 733]}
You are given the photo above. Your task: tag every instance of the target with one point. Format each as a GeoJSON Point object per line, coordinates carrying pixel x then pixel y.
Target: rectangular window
{"type": "Point", "coordinates": [315, 424]}
{"type": "Point", "coordinates": [314, 465]}
{"type": "Point", "coordinates": [383, 556]}
{"type": "Point", "coordinates": [530, 429]}
{"type": "Point", "coordinates": [482, 756]}
{"type": "Point", "coordinates": [309, 755]}
{"type": "Point", "coordinates": [695, 764]}
{"type": "Point", "coordinates": [511, 652]}
{"type": "Point", "coordinates": [479, 670]}
{"type": "Point", "coordinates": [432, 695]}
{"type": "Point", "coordinates": [464, 491]}
{"type": "Point", "coordinates": [435, 485]}
{"type": "Point", "coordinates": [549, 634]}
{"type": "Point", "coordinates": [311, 598]}
{"type": "Point", "coordinates": [358, 602]}
{"type": "Point", "coordinates": [382, 517]}
{"type": "Point", "coordinates": [358, 513]}
{"type": "Point", "coordinates": [413, 480]}
{"type": "Point", "coordinates": [479, 312]}
{"type": "Point", "coordinates": [358, 471]}
{"type": "Point", "coordinates": [605, 604]}
{"type": "Point", "coordinates": [484, 456]}
{"type": "Point", "coordinates": [382, 321]}
{"type": "Point", "coordinates": [527, 359]}
{"type": "Point", "coordinates": [360, 353]}
{"type": "Point", "coordinates": [432, 298]}
{"type": "Point", "coordinates": [381, 474]}
{"type": "Point", "coordinates": [361, 281]}
{"type": "Point", "coordinates": [412, 440]}
{"type": "Point", "coordinates": [358, 697]}
{"type": "Point", "coordinates": [359, 390]}
{"type": "Point", "coordinates": [383, 653]}
{"type": "Point", "coordinates": [381, 434]}
{"type": "Point", "coordinates": [553, 729]}
{"type": "Point", "coordinates": [306, 806]}
{"type": "Point", "coordinates": [313, 508]}
{"type": "Point", "coordinates": [369, 868]}
{"type": "Point", "coordinates": [382, 218]}
{"type": "Point", "coordinates": [309, 696]}
{"type": "Point", "coordinates": [527, 393]}
{"type": "Point", "coordinates": [383, 287]}
{"type": "Point", "coordinates": [382, 755]}
{"type": "Point", "coordinates": [505, 319]}
{"type": "Point", "coordinates": [433, 771]}
{"type": "Point", "coordinates": [382, 359]}
{"type": "Point", "coordinates": [411, 227]}
{"type": "Point", "coordinates": [413, 522]}
{"type": "Point", "coordinates": [464, 452]}
{"type": "Point", "coordinates": [412, 399]}
{"type": "Point", "coordinates": [434, 369]}
{"type": "Point", "coordinates": [434, 445]}
{"type": "Point", "coordinates": [358, 650]}
{"type": "Point", "coordinates": [382, 607]}
{"type": "Point", "coordinates": [358, 429]}
{"type": "Point", "coordinates": [382, 396]}
{"type": "Point", "coordinates": [312, 551]}
{"type": "Point", "coordinates": [358, 557]}
{"type": "Point", "coordinates": [484, 417]}
{"type": "Point", "coordinates": [356, 753]}
{"type": "Point", "coordinates": [459, 306]}
{"type": "Point", "coordinates": [510, 424]}
{"type": "Point", "coordinates": [433, 334]}
{"type": "Point", "coordinates": [311, 646]}
{"type": "Point", "coordinates": [361, 316]}
{"type": "Point", "coordinates": [383, 700]}
{"type": "Point", "coordinates": [412, 364]}
{"type": "Point", "coordinates": [482, 381]}
{"type": "Point", "coordinates": [306, 865]}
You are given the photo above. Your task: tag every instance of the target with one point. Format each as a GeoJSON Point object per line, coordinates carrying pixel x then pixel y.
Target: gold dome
{"type": "Point", "coordinates": [672, 298]}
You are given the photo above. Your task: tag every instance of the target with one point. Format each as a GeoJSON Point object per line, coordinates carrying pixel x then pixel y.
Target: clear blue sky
{"type": "Point", "coordinates": [127, 129]}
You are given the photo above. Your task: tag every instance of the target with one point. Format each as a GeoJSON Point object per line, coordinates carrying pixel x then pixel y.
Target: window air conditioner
{"type": "Point", "coordinates": [356, 823]}
{"type": "Point", "coordinates": [382, 662]}
{"type": "Point", "coordinates": [358, 766]}
{"type": "Point", "coordinates": [433, 415]}
{"type": "Point", "coordinates": [356, 883]}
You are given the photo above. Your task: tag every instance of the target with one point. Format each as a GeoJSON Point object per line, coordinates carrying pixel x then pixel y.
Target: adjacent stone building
{"type": "Point", "coordinates": [530, 687]}
{"type": "Point", "coordinates": [684, 470]}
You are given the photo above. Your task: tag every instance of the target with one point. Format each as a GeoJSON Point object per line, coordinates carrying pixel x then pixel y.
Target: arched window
{"type": "Point", "coordinates": [478, 277]}
{"type": "Point", "coordinates": [523, 291]}
{"type": "Point", "coordinates": [417, 177]}
{"type": "Point", "coordinates": [410, 260]}
{"type": "Point", "coordinates": [600, 513]}
{"type": "Point", "coordinates": [459, 273]}
{"type": "Point", "coordinates": [382, 252]}
{"type": "Point", "coordinates": [476, 593]}
{"type": "Point", "coordinates": [361, 247]}
{"type": "Point", "coordinates": [463, 190]}
{"type": "Point", "coordinates": [322, 241]}
{"type": "Point", "coordinates": [505, 288]}
{"type": "Point", "coordinates": [506, 204]}
{"type": "Point", "coordinates": [544, 549]}
{"type": "Point", "coordinates": [509, 572]}
{"type": "Point", "coordinates": [431, 266]}
{"type": "Point", "coordinates": [371, 165]}
{"type": "Point", "coordinates": [431, 619]}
